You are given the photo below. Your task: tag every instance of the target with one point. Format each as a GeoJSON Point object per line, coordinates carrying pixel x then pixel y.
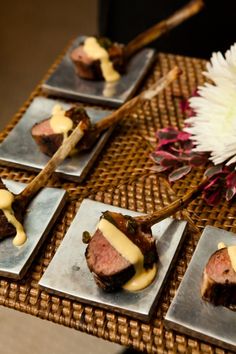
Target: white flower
{"type": "Point", "coordinates": [213, 129]}
{"type": "Point", "coordinates": [222, 69]}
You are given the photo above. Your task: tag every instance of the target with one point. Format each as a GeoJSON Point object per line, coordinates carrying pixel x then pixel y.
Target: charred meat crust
{"type": "Point", "coordinates": [114, 282]}
{"type": "Point", "coordinates": [219, 280]}
{"type": "Point", "coordinates": [131, 228]}
{"type": "Point", "coordinates": [90, 69]}
{"type": "Point", "coordinates": [6, 229]}
{"type": "Point", "coordinates": [221, 294]}
{"type": "Point", "coordinates": [49, 142]}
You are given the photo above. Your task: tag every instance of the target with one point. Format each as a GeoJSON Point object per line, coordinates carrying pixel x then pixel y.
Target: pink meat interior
{"type": "Point", "coordinates": [219, 267]}
{"type": "Point", "coordinates": [103, 257]}
{"type": "Point", "coordinates": [42, 128]}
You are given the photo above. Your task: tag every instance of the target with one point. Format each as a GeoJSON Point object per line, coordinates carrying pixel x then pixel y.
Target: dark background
{"type": "Point", "coordinates": [211, 30]}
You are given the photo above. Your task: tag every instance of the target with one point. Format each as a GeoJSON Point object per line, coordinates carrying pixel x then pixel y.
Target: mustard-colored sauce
{"type": "Point", "coordinates": [60, 123]}
{"type": "Point", "coordinates": [93, 49]}
{"type": "Point", "coordinates": [6, 200]}
{"type": "Point", "coordinates": [109, 89]}
{"type": "Point", "coordinates": [231, 252]}
{"type": "Point", "coordinates": [232, 256]}
{"type": "Point", "coordinates": [131, 253]}
{"type": "Point", "coordinates": [221, 245]}
{"type": "Point", "coordinates": [141, 279]}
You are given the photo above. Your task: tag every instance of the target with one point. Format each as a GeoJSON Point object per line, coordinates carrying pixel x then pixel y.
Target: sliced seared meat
{"type": "Point", "coordinates": [139, 234]}
{"type": "Point", "coordinates": [86, 67]}
{"type": "Point", "coordinates": [45, 137]}
{"type": "Point", "coordinates": [49, 141]}
{"type": "Point", "coordinates": [110, 266]}
{"type": "Point", "coordinates": [219, 279]}
{"type": "Point", "coordinates": [89, 68]}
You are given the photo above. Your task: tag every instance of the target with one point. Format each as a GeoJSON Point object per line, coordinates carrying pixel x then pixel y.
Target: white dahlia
{"type": "Point", "coordinates": [222, 68]}
{"type": "Point", "coordinates": [213, 127]}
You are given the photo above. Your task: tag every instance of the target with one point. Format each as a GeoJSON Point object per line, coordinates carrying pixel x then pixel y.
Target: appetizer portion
{"type": "Point", "coordinates": [219, 277]}
{"type": "Point", "coordinates": [99, 59]}
{"type": "Point", "coordinates": [11, 217]}
{"type": "Point", "coordinates": [50, 133]}
{"type": "Point", "coordinates": [102, 59]}
{"type": "Point", "coordinates": [13, 207]}
{"type": "Point", "coordinates": [121, 253]}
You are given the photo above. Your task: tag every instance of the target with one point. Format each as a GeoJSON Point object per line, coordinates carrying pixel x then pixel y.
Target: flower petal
{"type": "Point", "coordinates": [167, 135]}
{"type": "Point", "coordinates": [169, 162]}
{"type": "Point", "coordinates": [179, 173]}
{"type": "Point", "coordinates": [231, 180]}
{"type": "Point", "coordinates": [212, 182]}
{"type": "Point", "coordinates": [158, 168]}
{"type": "Point", "coordinates": [212, 198]}
{"type": "Point", "coordinates": [198, 160]}
{"type": "Point", "coordinates": [213, 170]}
{"type": "Point", "coordinates": [164, 154]}
{"type": "Point", "coordinates": [230, 193]}
{"type": "Point", "coordinates": [183, 136]}
{"type": "Point", "coordinates": [155, 158]}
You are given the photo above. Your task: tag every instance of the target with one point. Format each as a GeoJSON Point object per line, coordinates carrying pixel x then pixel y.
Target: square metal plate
{"type": "Point", "coordinates": [65, 82]}
{"type": "Point", "coordinates": [68, 274]}
{"type": "Point", "coordinates": [20, 150]}
{"type": "Point", "coordinates": [188, 312]}
{"type": "Point", "coordinates": [40, 217]}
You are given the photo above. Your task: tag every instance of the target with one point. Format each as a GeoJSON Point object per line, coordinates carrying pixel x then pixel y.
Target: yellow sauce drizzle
{"type": "Point", "coordinates": [141, 279]}
{"type": "Point", "coordinates": [232, 256]}
{"type": "Point", "coordinates": [60, 123]}
{"type": "Point", "coordinates": [231, 252]}
{"type": "Point", "coordinates": [93, 49]}
{"type": "Point", "coordinates": [109, 89]}
{"type": "Point", "coordinates": [221, 245]}
{"type": "Point", "coordinates": [130, 252]}
{"type": "Point", "coordinates": [6, 200]}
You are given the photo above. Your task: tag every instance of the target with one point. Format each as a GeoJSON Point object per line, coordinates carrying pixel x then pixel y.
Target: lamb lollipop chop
{"type": "Point", "coordinates": [219, 277]}
{"type": "Point", "coordinates": [102, 59]}
{"type": "Point", "coordinates": [99, 59]}
{"type": "Point", "coordinates": [122, 252]}
{"type": "Point", "coordinates": [50, 133]}
{"type": "Point", "coordinates": [13, 207]}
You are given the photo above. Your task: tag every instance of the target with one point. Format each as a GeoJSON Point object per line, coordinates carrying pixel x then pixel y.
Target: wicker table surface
{"type": "Point", "coordinates": [122, 177]}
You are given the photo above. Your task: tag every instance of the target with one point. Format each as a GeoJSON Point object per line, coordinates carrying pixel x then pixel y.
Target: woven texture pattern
{"type": "Point", "coordinates": [122, 176]}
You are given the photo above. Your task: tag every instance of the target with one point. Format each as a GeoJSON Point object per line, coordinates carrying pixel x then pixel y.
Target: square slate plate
{"type": "Point", "coordinates": [40, 216]}
{"type": "Point", "coordinates": [190, 314]}
{"type": "Point", "coordinates": [68, 274]}
{"type": "Point", "coordinates": [65, 82]}
{"type": "Point", "coordinates": [20, 150]}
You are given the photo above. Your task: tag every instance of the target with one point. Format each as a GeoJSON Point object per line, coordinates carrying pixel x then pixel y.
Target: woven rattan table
{"type": "Point", "coordinates": [121, 176]}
